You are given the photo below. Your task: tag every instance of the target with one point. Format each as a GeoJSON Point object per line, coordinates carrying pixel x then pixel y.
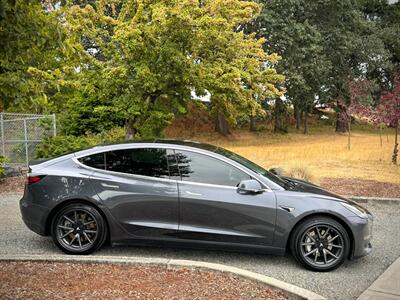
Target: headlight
{"type": "Point", "coordinates": [358, 210]}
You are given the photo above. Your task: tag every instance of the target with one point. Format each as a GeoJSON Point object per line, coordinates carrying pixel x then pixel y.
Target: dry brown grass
{"type": "Point", "coordinates": [322, 154]}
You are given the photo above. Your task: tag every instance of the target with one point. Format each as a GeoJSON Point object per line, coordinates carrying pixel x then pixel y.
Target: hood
{"type": "Point", "coordinates": [298, 185]}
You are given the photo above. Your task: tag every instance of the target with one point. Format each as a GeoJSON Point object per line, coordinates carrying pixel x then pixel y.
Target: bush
{"type": "Point", "coordinates": [2, 160]}
{"type": "Point", "coordinates": [301, 172]}
{"type": "Point", "coordinates": [57, 145]}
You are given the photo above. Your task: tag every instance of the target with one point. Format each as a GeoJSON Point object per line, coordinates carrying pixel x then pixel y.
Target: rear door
{"type": "Point", "coordinates": [136, 187]}
{"type": "Point", "coordinates": [211, 209]}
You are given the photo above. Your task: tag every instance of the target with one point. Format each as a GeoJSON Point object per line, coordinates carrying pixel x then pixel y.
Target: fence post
{"type": "Point", "coordinates": [26, 143]}
{"type": "Point", "coordinates": [54, 125]}
{"type": "Point", "coordinates": [3, 140]}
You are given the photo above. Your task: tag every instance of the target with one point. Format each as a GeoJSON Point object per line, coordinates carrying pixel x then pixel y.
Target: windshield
{"type": "Point", "coordinates": [252, 166]}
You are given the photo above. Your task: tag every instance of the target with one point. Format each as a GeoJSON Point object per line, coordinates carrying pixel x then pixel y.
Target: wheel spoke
{"type": "Point", "coordinates": [324, 252]}
{"type": "Point", "coordinates": [310, 236]}
{"type": "Point", "coordinates": [332, 239]}
{"type": "Point", "coordinates": [330, 253]}
{"type": "Point", "coordinates": [65, 227]}
{"type": "Point", "coordinates": [87, 223]}
{"type": "Point", "coordinates": [75, 216]}
{"type": "Point", "coordinates": [69, 219]}
{"type": "Point", "coordinates": [319, 234]}
{"type": "Point", "coordinates": [73, 240]}
{"type": "Point", "coordinates": [90, 231]}
{"type": "Point", "coordinates": [67, 233]}
{"type": "Point", "coordinates": [316, 256]}
{"type": "Point", "coordinates": [326, 233]}
{"type": "Point", "coordinates": [308, 244]}
{"type": "Point", "coordinates": [79, 240]}
{"type": "Point", "coordinates": [335, 246]}
{"type": "Point", "coordinates": [87, 237]}
{"type": "Point", "coordinates": [311, 252]}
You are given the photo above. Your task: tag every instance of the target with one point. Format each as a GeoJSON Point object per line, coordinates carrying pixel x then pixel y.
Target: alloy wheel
{"type": "Point", "coordinates": [77, 230]}
{"type": "Point", "coordinates": [322, 245]}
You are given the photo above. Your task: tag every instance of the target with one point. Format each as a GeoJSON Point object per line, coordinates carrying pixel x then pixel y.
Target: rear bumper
{"type": "Point", "coordinates": [33, 215]}
{"type": "Point", "coordinates": [362, 236]}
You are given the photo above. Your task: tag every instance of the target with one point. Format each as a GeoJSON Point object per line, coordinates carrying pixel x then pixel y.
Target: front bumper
{"type": "Point", "coordinates": [362, 230]}
{"type": "Point", "coordinates": [33, 215]}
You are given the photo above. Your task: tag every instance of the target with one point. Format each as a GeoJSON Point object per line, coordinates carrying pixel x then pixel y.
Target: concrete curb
{"type": "Point", "coordinates": [292, 291]}
{"type": "Point", "coordinates": [374, 200]}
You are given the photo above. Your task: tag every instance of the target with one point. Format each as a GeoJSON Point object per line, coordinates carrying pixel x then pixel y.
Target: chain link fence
{"type": "Point", "coordinates": [21, 133]}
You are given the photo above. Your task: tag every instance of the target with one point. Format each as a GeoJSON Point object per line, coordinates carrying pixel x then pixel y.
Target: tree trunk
{"type": "Point", "coordinates": [342, 118]}
{"type": "Point", "coordinates": [349, 136]}
{"type": "Point", "coordinates": [297, 116]}
{"type": "Point", "coordinates": [221, 125]}
{"type": "Point", "coordinates": [279, 111]}
{"type": "Point", "coordinates": [130, 131]}
{"type": "Point", "coordinates": [396, 144]}
{"type": "Point", "coordinates": [253, 127]}
{"type": "Point", "coordinates": [380, 134]}
{"type": "Point", "coordinates": [387, 134]}
{"type": "Point", "coordinates": [305, 122]}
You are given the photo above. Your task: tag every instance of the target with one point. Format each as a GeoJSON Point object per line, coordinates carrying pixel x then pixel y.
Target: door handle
{"type": "Point", "coordinates": [110, 185]}
{"type": "Point", "coordinates": [193, 194]}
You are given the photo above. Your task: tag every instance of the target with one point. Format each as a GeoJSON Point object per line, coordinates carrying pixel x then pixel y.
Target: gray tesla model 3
{"type": "Point", "coordinates": [182, 193]}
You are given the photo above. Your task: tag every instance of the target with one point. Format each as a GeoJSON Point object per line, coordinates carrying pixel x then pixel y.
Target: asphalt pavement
{"type": "Point", "coordinates": [347, 282]}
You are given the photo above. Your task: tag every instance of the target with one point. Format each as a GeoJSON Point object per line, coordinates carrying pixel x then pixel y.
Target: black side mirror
{"type": "Point", "coordinates": [250, 186]}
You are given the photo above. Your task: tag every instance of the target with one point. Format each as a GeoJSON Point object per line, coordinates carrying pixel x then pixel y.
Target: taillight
{"type": "Point", "coordinates": [32, 179]}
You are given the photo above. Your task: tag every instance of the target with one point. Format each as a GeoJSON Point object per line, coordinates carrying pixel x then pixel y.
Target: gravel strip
{"type": "Point", "coordinates": [347, 282]}
{"type": "Point", "coordinates": [361, 187]}
{"type": "Point", "coordinates": [45, 280]}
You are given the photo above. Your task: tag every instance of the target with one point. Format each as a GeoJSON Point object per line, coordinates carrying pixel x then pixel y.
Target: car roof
{"type": "Point", "coordinates": [188, 143]}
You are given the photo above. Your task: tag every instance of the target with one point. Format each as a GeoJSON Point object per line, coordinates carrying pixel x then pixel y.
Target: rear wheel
{"type": "Point", "coordinates": [320, 244]}
{"type": "Point", "coordinates": [78, 229]}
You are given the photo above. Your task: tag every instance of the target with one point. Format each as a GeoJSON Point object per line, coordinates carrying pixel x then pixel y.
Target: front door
{"type": "Point", "coordinates": [211, 209]}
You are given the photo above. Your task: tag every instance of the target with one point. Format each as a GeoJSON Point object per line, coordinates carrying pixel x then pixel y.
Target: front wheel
{"type": "Point", "coordinates": [78, 229]}
{"type": "Point", "coordinates": [320, 244]}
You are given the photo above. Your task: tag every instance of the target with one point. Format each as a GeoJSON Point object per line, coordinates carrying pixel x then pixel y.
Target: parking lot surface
{"type": "Point", "coordinates": [347, 282]}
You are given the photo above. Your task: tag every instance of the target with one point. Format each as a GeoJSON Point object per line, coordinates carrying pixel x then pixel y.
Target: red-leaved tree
{"type": "Point", "coordinates": [388, 112]}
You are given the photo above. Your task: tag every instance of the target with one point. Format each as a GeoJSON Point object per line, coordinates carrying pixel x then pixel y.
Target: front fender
{"type": "Point", "coordinates": [302, 206]}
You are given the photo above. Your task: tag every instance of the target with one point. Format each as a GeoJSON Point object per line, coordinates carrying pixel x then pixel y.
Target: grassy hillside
{"type": "Point", "coordinates": [321, 154]}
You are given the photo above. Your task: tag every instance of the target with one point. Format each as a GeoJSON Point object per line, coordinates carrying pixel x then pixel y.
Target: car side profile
{"type": "Point", "coordinates": [189, 194]}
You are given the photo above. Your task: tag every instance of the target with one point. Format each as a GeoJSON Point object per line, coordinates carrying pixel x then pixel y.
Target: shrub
{"type": "Point", "coordinates": [300, 172]}
{"type": "Point", "coordinates": [57, 145]}
{"type": "Point", "coordinates": [2, 160]}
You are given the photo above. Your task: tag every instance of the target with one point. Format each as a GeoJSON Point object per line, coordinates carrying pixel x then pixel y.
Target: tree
{"type": "Point", "coordinates": [34, 49]}
{"type": "Point", "coordinates": [289, 33]}
{"type": "Point", "coordinates": [155, 53]}
{"type": "Point", "coordinates": [325, 45]}
{"type": "Point", "coordinates": [388, 112]}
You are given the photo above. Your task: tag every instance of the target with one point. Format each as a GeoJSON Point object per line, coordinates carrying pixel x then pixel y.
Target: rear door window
{"type": "Point", "coordinates": [141, 161]}
{"type": "Point", "coordinates": [95, 160]}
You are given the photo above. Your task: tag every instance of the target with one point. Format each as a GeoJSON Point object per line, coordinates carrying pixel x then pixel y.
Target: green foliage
{"type": "Point", "coordinates": [53, 146]}
{"type": "Point", "coordinates": [2, 160]}
{"type": "Point", "coordinates": [34, 57]}
{"type": "Point", "coordinates": [150, 56]}
{"type": "Point", "coordinates": [325, 45]}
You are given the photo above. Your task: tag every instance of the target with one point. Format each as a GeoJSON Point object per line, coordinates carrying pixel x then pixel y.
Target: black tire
{"type": "Point", "coordinates": [79, 229]}
{"type": "Point", "coordinates": [320, 243]}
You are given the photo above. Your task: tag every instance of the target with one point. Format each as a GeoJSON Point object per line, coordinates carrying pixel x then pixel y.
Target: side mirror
{"type": "Point", "coordinates": [250, 186]}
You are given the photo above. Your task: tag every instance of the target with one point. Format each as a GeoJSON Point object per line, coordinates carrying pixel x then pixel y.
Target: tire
{"type": "Point", "coordinates": [320, 243]}
{"type": "Point", "coordinates": [79, 229]}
